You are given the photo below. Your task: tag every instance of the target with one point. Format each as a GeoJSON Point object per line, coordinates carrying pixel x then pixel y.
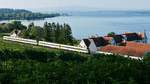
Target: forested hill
{"type": "Point", "coordinates": [21, 14]}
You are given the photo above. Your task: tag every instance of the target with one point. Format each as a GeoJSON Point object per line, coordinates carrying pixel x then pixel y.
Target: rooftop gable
{"type": "Point", "coordinates": [99, 41]}
{"type": "Point", "coordinates": [118, 38]}
{"type": "Point", "coordinates": [87, 42]}
{"type": "Point", "coordinates": [133, 36]}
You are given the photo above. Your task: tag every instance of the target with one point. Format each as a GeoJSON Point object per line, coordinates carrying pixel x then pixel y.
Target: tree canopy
{"type": "Point", "coordinates": [9, 27]}
{"type": "Point", "coordinates": [51, 32]}
{"type": "Point", "coordinates": [111, 34]}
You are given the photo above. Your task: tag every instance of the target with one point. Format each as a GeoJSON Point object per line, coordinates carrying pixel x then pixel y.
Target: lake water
{"type": "Point", "coordinates": [84, 26]}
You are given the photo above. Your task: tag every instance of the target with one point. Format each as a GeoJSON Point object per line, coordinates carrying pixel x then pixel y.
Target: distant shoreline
{"type": "Point", "coordinates": [22, 14]}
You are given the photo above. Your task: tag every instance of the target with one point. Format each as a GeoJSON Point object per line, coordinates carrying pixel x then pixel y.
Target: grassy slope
{"type": "Point", "coordinates": [67, 68]}
{"type": "Point", "coordinates": [21, 46]}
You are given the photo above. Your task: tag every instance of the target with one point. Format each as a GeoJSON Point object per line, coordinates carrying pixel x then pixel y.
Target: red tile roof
{"type": "Point", "coordinates": [131, 49]}
{"type": "Point", "coordinates": [142, 46]}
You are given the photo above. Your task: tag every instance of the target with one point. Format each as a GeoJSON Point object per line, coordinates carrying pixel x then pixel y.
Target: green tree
{"type": "Point", "coordinates": [61, 37]}
{"type": "Point", "coordinates": [53, 34]}
{"type": "Point", "coordinates": [48, 31]}
{"type": "Point", "coordinates": [68, 34]}
{"type": "Point", "coordinates": [111, 34]}
{"type": "Point", "coordinates": [31, 25]}
{"type": "Point", "coordinates": [57, 33]}
{"type": "Point", "coordinates": [39, 33]}
{"type": "Point", "coordinates": [17, 25]}
{"type": "Point", "coordinates": [9, 27]}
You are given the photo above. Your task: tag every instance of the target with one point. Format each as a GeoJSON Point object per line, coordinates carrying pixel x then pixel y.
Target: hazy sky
{"type": "Point", "coordinates": [95, 4]}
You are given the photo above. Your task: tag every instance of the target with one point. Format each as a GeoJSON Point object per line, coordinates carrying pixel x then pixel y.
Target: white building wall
{"type": "Point", "coordinates": [82, 44]}
{"type": "Point", "coordinates": [92, 47]}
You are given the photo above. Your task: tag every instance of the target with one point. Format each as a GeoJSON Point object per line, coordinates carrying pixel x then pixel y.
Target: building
{"type": "Point", "coordinates": [93, 44]}
{"type": "Point", "coordinates": [116, 41]}
{"type": "Point", "coordinates": [15, 33]}
{"type": "Point", "coordinates": [123, 38]}
{"type": "Point", "coordinates": [88, 44]}
{"type": "Point", "coordinates": [136, 37]}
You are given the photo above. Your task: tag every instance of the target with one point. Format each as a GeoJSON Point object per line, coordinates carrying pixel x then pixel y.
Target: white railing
{"type": "Point", "coordinates": [46, 44]}
{"type": "Point", "coordinates": [132, 57]}
{"type": "Point", "coordinates": [17, 39]}
{"type": "Point", "coordinates": [64, 47]}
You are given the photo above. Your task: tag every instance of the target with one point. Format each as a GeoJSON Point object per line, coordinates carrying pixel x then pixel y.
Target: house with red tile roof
{"type": "Point", "coordinates": [131, 44]}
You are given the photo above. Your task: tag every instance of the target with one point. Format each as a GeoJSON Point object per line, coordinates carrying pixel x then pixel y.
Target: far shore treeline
{"type": "Point", "coordinates": [21, 14]}
{"type": "Point", "coordinates": [51, 32]}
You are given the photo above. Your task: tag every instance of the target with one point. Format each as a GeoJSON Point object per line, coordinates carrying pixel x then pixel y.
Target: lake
{"type": "Point", "coordinates": [85, 26]}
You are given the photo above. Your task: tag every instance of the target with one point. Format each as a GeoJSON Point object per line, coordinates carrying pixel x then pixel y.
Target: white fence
{"type": "Point", "coordinates": [17, 39]}
{"type": "Point", "coordinates": [132, 57]}
{"type": "Point", "coordinates": [46, 44]}
{"type": "Point", "coordinates": [64, 47]}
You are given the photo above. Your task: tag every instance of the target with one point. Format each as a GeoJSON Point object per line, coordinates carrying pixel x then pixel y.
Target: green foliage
{"type": "Point", "coordinates": [48, 32]}
{"type": "Point", "coordinates": [17, 25]}
{"type": "Point", "coordinates": [68, 34]}
{"type": "Point", "coordinates": [147, 57]}
{"type": "Point", "coordinates": [51, 32]}
{"type": "Point", "coordinates": [22, 64]}
{"type": "Point", "coordinates": [4, 34]}
{"type": "Point", "coordinates": [33, 32]}
{"type": "Point", "coordinates": [111, 34]}
{"type": "Point", "coordinates": [20, 14]}
{"type": "Point", "coordinates": [9, 27]}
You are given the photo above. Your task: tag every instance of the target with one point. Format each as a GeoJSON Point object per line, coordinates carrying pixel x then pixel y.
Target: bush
{"type": "Point", "coordinates": [111, 34]}
{"type": "Point", "coordinates": [147, 55]}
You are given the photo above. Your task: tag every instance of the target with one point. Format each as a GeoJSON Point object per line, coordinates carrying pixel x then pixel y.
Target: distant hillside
{"type": "Point", "coordinates": [21, 14]}
{"type": "Point", "coordinates": [110, 13]}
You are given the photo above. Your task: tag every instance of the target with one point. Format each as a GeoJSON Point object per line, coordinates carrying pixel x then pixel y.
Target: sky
{"type": "Point", "coordinates": [78, 4]}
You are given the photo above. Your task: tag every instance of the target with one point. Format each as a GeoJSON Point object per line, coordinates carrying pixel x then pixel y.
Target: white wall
{"type": "Point", "coordinates": [92, 47]}
{"type": "Point", "coordinates": [82, 44]}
